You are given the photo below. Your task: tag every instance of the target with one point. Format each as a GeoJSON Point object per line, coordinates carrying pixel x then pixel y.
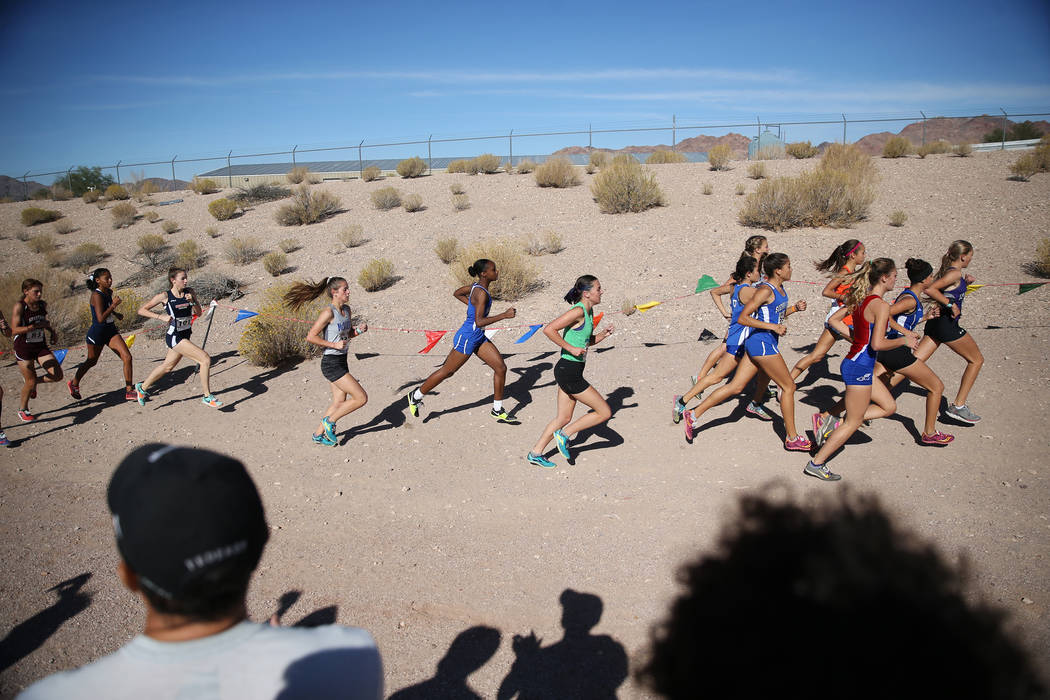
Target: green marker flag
{"type": "Point", "coordinates": [1029, 287]}
{"type": "Point", "coordinates": [704, 283]}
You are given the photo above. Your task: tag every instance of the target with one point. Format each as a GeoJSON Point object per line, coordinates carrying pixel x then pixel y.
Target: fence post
{"type": "Point", "coordinates": [923, 127]}
{"type": "Point", "coordinates": [430, 160]}
{"type": "Point", "coordinates": [118, 171]}
{"type": "Point", "coordinates": [590, 135]}
{"type": "Point", "coordinates": [843, 129]}
{"type": "Point", "coordinates": [229, 169]}
{"type": "Point", "coordinates": [69, 178]}
{"type": "Point", "coordinates": [674, 131]}
{"type": "Point", "coordinates": [173, 171]}
{"type": "Point", "coordinates": [360, 162]}
{"type": "Point", "coordinates": [1002, 146]}
{"type": "Point", "coordinates": [25, 185]}
{"type": "Point", "coordinates": [293, 154]}
{"type": "Point", "coordinates": [510, 140]}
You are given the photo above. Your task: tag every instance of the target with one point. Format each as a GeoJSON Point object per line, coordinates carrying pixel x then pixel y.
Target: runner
{"type": "Point", "coordinates": [28, 324]}
{"type": "Point", "coordinates": [103, 332]}
{"type": "Point", "coordinates": [6, 330]}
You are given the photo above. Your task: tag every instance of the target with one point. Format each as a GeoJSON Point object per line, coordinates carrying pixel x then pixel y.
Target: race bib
{"type": "Point", "coordinates": [35, 335]}
{"type": "Point", "coordinates": [183, 324]}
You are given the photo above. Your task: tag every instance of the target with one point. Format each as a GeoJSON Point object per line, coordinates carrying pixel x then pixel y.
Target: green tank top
{"type": "Point", "coordinates": [578, 337]}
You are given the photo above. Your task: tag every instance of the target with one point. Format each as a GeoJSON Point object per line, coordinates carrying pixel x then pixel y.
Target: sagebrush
{"type": "Point", "coordinates": [897, 147]}
{"type": "Point", "coordinates": [275, 262]}
{"type": "Point", "coordinates": [376, 274]}
{"type": "Point", "coordinates": [116, 192]}
{"type": "Point", "coordinates": [63, 227]}
{"type": "Point", "coordinates": [257, 194]}
{"type": "Point", "coordinates": [84, 256]}
{"type": "Point", "coordinates": [289, 245]}
{"type": "Point", "coordinates": [518, 274]}
{"type": "Point", "coordinates": [151, 216]}
{"type": "Point", "coordinates": [278, 333]}
{"type": "Point", "coordinates": [898, 218]}
{"type": "Point", "coordinates": [189, 255]}
{"type": "Point", "coordinates": [201, 186]}
{"type": "Point", "coordinates": [460, 202]}
{"type": "Point", "coordinates": [801, 149]}
{"type": "Point", "coordinates": [413, 203]}
{"type": "Point", "coordinates": [525, 166]}
{"type": "Point", "coordinates": [546, 243]}
{"type": "Point", "coordinates": [756, 171]}
{"type": "Point", "coordinates": [625, 186]}
{"type": "Point", "coordinates": [557, 172]}
{"type": "Point", "coordinates": [124, 214]}
{"type": "Point", "coordinates": [386, 198]}
{"type": "Point", "coordinates": [31, 216]}
{"type": "Point", "coordinates": [718, 157]}
{"type": "Point", "coordinates": [170, 226]}
{"type": "Point", "coordinates": [241, 251]}
{"type": "Point", "coordinates": [307, 207]}
{"type": "Point", "coordinates": [352, 235]}
{"type": "Point", "coordinates": [487, 163]}
{"type": "Point", "coordinates": [662, 156]}
{"type": "Point", "coordinates": [371, 173]}
{"type": "Point", "coordinates": [222, 209]}
{"type": "Point", "coordinates": [412, 167]}
{"type": "Point", "coordinates": [447, 249]}
{"type": "Point", "coordinates": [41, 244]}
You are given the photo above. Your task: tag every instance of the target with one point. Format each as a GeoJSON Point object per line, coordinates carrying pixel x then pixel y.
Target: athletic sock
{"type": "Point", "coordinates": [497, 406]}
{"type": "Point", "coordinates": [679, 404]}
{"type": "Point", "coordinates": [416, 396]}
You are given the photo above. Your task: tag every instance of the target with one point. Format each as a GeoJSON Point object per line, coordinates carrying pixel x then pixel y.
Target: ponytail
{"type": "Point", "coordinates": [752, 244]}
{"type": "Point", "coordinates": [478, 267]}
{"type": "Point", "coordinates": [838, 257]}
{"type": "Point", "coordinates": [744, 267]}
{"type": "Point", "coordinates": [583, 284]}
{"type": "Point", "coordinates": [955, 251]}
{"type": "Point", "coordinates": [918, 270]}
{"type": "Point", "coordinates": [304, 292]}
{"type": "Point", "coordinates": [864, 278]}
{"type": "Point", "coordinates": [92, 281]}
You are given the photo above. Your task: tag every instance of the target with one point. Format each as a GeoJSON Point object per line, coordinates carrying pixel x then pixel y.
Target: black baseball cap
{"type": "Point", "coordinates": [180, 512]}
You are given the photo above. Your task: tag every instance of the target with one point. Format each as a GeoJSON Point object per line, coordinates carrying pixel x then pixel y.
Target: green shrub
{"type": "Point", "coordinates": [91, 196]}
{"type": "Point", "coordinates": [662, 156]}
{"type": "Point", "coordinates": [386, 198]}
{"type": "Point", "coordinates": [222, 208]}
{"type": "Point", "coordinates": [525, 166]}
{"type": "Point", "coordinates": [151, 216]}
{"type": "Point", "coordinates": [557, 172]}
{"type": "Point", "coordinates": [598, 159]}
{"type": "Point", "coordinates": [63, 226]}
{"type": "Point", "coordinates": [460, 202]}
{"type": "Point", "coordinates": [307, 207]}
{"type": "Point", "coordinates": [41, 244]}
{"type": "Point", "coordinates": [170, 226]}
{"type": "Point", "coordinates": [299, 175]}
{"type": "Point", "coordinates": [371, 173]}
{"type": "Point", "coordinates": [212, 231]}
{"type": "Point", "coordinates": [447, 249]}
{"type": "Point", "coordinates": [289, 245]}
{"type": "Point", "coordinates": [204, 185]}
{"type": "Point", "coordinates": [718, 157]}
{"type": "Point", "coordinates": [549, 242]}
{"type": "Point", "coordinates": [801, 149]}
{"type": "Point", "coordinates": [898, 218]}
{"type": "Point", "coordinates": [626, 187]}
{"type": "Point", "coordinates": [278, 333]}
{"type": "Point", "coordinates": [756, 171]}
{"type": "Point", "coordinates": [152, 249]}
{"type": "Point", "coordinates": [518, 274]}
{"type": "Point", "coordinates": [487, 163]}
{"type": "Point", "coordinates": [189, 256]}
{"type": "Point", "coordinates": [256, 194]}
{"type": "Point", "coordinates": [896, 147]}
{"type": "Point", "coordinates": [241, 251]}
{"type": "Point", "coordinates": [376, 274]}
{"type": "Point", "coordinates": [962, 150]}
{"type": "Point", "coordinates": [352, 236]}
{"type": "Point", "coordinates": [463, 166]}
{"type": "Point", "coordinates": [412, 167]}
{"type": "Point", "coordinates": [115, 191]}
{"type": "Point", "coordinates": [413, 203]}
{"type": "Point", "coordinates": [84, 256]}
{"type": "Point", "coordinates": [275, 262]}
{"type": "Point", "coordinates": [124, 214]}
{"type": "Point", "coordinates": [456, 188]}
{"type": "Point", "coordinates": [84, 179]}
{"type": "Point", "coordinates": [31, 216]}
{"type": "Point", "coordinates": [708, 188]}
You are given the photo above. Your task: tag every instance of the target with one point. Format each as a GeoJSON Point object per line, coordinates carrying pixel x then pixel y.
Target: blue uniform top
{"type": "Point", "coordinates": [737, 333]}
{"type": "Point", "coordinates": [909, 320]}
{"type": "Point", "coordinates": [956, 294]}
{"type": "Point", "coordinates": [181, 311]}
{"type": "Point", "coordinates": [471, 324]}
{"type": "Point", "coordinates": [773, 312]}
{"type": "Point", "coordinates": [107, 299]}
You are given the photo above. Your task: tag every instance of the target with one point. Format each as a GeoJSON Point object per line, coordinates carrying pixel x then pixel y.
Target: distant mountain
{"type": "Point", "coordinates": [164, 184]}
{"type": "Point", "coordinates": [14, 188]}
{"type": "Point", "coordinates": [951, 129]}
{"type": "Point", "coordinates": [696, 144]}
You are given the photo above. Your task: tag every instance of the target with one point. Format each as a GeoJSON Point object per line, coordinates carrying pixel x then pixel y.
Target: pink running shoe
{"type": "Point", "coordinates": [799, 444]}
{"type": "Point", "coordinates": [687, 417]}
{"type": "Point", "coordinates": [937, 438]}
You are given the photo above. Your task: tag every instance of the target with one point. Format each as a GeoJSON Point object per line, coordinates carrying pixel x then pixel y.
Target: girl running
{"type": "Point", "coordinates": [568, 372]}
{"type": "Point", "coordinates": [6, 330]}
{"type": "Point", "coordinates": [103, 332]}
{"type": "Point", "coordinates": [28, 324]}
{"type": "Point", "coordinates": [180, 305]}
{"type": "Point", "coordinates": [764, 313]}
{"type": "Point", "coordinates": [864, 399]}
{"type": "Point", "coordinates": [945, 328]}
{"type": "Point", "coordinates": [743, 277]}
{"type": "Point", "coordinates": [843, 261]}
{"type": "Point", "coordinates": [470, 339]}
{"type": "Point", "coordinates": [334, 323]}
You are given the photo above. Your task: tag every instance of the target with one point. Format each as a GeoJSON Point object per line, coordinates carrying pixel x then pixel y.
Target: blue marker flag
{"type": "Point", "coordinates": [59, 355]}
{"type": "Point", "coordinates": [529, 333]}
{"type": "Point", "coordinates": [243, 314]}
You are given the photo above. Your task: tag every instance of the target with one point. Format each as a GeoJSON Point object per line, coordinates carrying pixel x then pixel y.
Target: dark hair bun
{"type": "Point", "coordinates": [472, 272]}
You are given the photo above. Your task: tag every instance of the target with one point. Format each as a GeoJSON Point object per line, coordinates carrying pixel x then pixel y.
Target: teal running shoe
{"type": "Point", "coordinates": [563, 444]}
{"type": "Point", "coordinates": [329, 429]}
{"type": "Point", "coordinates": [540, 461]}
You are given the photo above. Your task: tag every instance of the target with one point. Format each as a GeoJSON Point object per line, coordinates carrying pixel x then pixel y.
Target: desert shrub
{"type": "Point", "coordinates": [462, 165]}
{"type": "Point", "coordinates": [148, 187]}
{"type": "Point", "coordinates": [756, 171]}
{"type": "Point", "coordinates": [53, 258]}
{"type": "Point", "coordinates": [377, 274]}
{"type": "Point", "coordinates": [31, 216]}
{"type": "Point", "coordinates": [719, 156]}
{"type": "Point", "coordinates": [124, 214]}
{"type": "Point", "coordinates": [189, 255]}
{"type": "Point", "coordinates": [256, 194]}
{"type": "Point", "coordinates": [413, 203]}
{"type": "Point", "coordinates": [525, 166]}
{"type": "Point", "coordinates": [460, 202]}
{"type": "Point", "coordinates": [662, 156]}
{"type": "Point", "coordinates": [60, 193]}
{"type": "Point", "coordinates": [626, 187]}
{"type": "Point", "coordinates": [23, 235]}
{"type": "Point", "coordinates": [213, 285]}
{"type": "Point", "coordinates": [386, 198]}
{"type": "Point", "coordinates": [447, 249]}
{"type": "Point", "coordinates": [83, 179]}
{"type": "Point", "coordinates": [142, 198]}
{"type": "Point", "coordinates": [962, 149]}
{"type": "Point", "coordinates": [371, 173]}
{"type": "Point", "coordinates": [548, 242]}
{"type": "Point", "coordinates": [115, 191]}
{"type": "Point", "coordinates": [487, 163]}
{"type": "Point", "coordinates": [557, 172]}
{"type": "Point", "coordinates": [275, 262]}
{"type": "Point", "coordinates": [152, 250]}
{"type": "Point", "coordinates": [212, 231]}
{"type": "Point", "coordinates": [84, 256]}
{"type": "Point", "coordinates": [896, 147]}
{"type": "Point", "coordinates": [299, 175]}
{"type": "Point", "coordinates": [1042, 154]}
{"type": "Point", "coordinates": [627, 307]}
{"type": "Point", "coordinates": [708, 189]}
{"type": "Point", "coordinates": [204, 185]}
{"type": "Point", "coordinates": [456, 188]}
{"type": "Point", "coordinates": [307, 207]}
{"type": "Point", "coordinates": [933, 148]}
{"type": "Point", "coordinates": [278, 333]}
{"type": "Point", "coordinates": [518, 274]}
{"type": "Point", "coordinates": [241, 251]}
{"type": "Point", "coordinates": [101, 203]}
{"type": "Point", "coordinates": [352, 236]}
{"type": "Point", "coordinates": [289, 245]}
{"type": "Point", "coordinates": [170, 226]}
{"type": "Point", "coordinates": [91, 196]}
{"type": "Point", "coordinates": [599, 159]}
{"type": "Point", "coordinates": [740, 189]}
{"type": "Point", "coordinates": [63, 226]}
{"type": "Point", "coordinates": [898, 218]}
{"type": "Point", "coordinates": [222, 208]}
{"type": "Point", "coordinates": [1041, 265]}
{"type": "Point", "coordinates": [770, 152]}
{"type": "Point", "coordinates": [151, 216]}
{"type": "Point", "coordinates": [412, 167]}
{"type": "Point", "coordinates": [40, 194]}
{"type": "Point", "coordinates": [590, 169]}
{"type": "Point", "coordinates": [801, 149]}
{"type": "Point", "coordinates": [1024, 167]}
{"type": "Point", "coordinates": [42, 243]}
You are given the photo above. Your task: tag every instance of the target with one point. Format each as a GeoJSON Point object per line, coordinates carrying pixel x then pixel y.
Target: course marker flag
{"type": "Point", "coordinates": [598, 319]}
{"type": "Point", "coordinates": [130, 340]}
{"type": "Point", "coordinates": [529, 333]}
{"type": "Point", "coordinates": [1029, 287]}
{"type": "Point", "coordinates": [432, 339]}
{"type": "Point", "coordinates": [704, 283]}
{"type": "Point", "coordinates": [646, 306]}
{"type": "Point", "coordinates": [973, 287]}
{"type": "Point", "coordinates": [59, 355]}
{"type": "Point", "coordinates": [243, 314]}
{"type": "Point", "coordinates": [489, 334]}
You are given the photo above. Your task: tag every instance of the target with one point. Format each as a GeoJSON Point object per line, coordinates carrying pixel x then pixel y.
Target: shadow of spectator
{"type": "Point", "coordinates": [334, 673]}
{"type": "Point", "coordinates": [26, 637]}
{"type": "Point", "coordinates": [470, 650]}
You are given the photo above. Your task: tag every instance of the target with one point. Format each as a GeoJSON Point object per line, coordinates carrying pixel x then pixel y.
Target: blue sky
{"type": "Point", "coordinates": [91, 83]}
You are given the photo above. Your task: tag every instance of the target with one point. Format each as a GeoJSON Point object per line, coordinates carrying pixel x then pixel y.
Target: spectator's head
{"type": "Point", "coordinates": [190, 529]}
{"type": "Point", "coordinates": [830, 599]}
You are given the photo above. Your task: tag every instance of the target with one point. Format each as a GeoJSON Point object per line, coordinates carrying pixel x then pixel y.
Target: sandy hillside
{"type": "Point", "coordinates": [419, 529]}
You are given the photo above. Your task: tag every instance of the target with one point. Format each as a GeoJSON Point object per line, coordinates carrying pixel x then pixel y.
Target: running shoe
{"type": "Point", "coordinates": [26, 416]}
{"type": "Point", "coordinates": [936, 438]}
{"type": "Point", "coordinates": [329, 428]}
{"type": "Point", "coordinates": [540, 461]}
{"type": "Point", "coordinates": [688, 415]}
{"type": "Point", "coordinates": [322, 439]}
{"type": "Point", "coordinates": [563, 443]}
{"type": "Point", "coordinates": [414, 406]}
{"type": "Point", "coordinates": [823, 427]}
{"type": "Point", "coordinates": [210, 400]}
{"type": "Point", "coordinates": [771, 392]}
{"type": "Point", "coordinates": [820, 471]}
{"type": "Point", "coordinates": [131, 395]}
{"type": "Point", "coordinates": [758, 411]}
{"type": "Point", "coordinates": [141, 394]}
{"type": "Point", "coordinates": [74, 390]}
{"type": "Point", "coordinates": [799, 444]}
{"type": "Point", "coordinates": [676, 412]}
{"type": "Point", "coordinates": [4, 442]}
{"type": "Point", "coordinates": [502, 416]}
{"type": "Point", "coordinates": [962, 413]}
{"type": "Point", "coordinates": [694, 378]}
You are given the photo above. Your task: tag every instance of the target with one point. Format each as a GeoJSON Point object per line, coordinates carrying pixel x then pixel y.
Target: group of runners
{"type": "Point", "coordinates": [885, 348]}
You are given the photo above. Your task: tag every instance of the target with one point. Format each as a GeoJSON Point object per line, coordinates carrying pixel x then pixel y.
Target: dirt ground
{"type": "Point", "coordinates": [421, 529]}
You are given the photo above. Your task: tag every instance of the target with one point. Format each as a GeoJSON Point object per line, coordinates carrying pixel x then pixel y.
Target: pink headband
{"type": "Point", "coordinates": [853, 249]}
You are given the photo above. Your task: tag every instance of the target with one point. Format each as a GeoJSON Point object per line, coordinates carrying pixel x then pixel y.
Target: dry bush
{"type": "Point", "coordinates": [151, 216]}
{"type": "Point", "coordinates": [933, 148]}
{"type": "Point", "coordinates": [352, 236]}
{"type": "Point", "coordinates": [41, 244]}
{"type": "Point", "coordinates": [275, 262]}
{"type": "Point", "coordinates": [63, 226]}
{"type": "Point", "coordinates": [101, 203]}
{"type": "Point", "coordinates": [525, 167]}
{"type": "Point", "coordinates": [53, 258]}
{"type": "Point", "coordinates": [708, 188]}
{"type": "Point", "coordinates": [124, 214]}
{"type": "Point", "coordinates": [599, 159]}
{"type": "Point", "coordinates": [299, 175]}
{"type": "Point", "coordinates": [371, 173]}
{"type": "Point", "coordinates": [962, 149]}
{"type": "Point", "coordinates": [289, 245]}
{"type": "Point", "coordinates": [801, 149]}
{"type": "Point", "coordinates": [307, 207]}
{"type": "Point", "coordinates": [771, 152]}
{"type": "Point", "coordinates": [213, 285]}
{"type": "Point", "coordinates": [170, 226]}
{"type": "Point", "coordinates": [256, 194]}
{"type": "Point", "coordinates": [487, 163]}
{"type": "Point", "coordinates": [189, 255]}
{"type": "Point", "coordinates": [518, 274]}
{"type": "Point", "coordinates": [152, 249]}
{"type": "Point", "coordinates": [547, 243]}
{"type": "Point", "coordinates": [898, 218]}
{"type": "Point", "coordinates": [412, 167]}
{"type": "Point", "coordinates": [60, 193]}
{"type": "Point", "coordinates": [84, 256]}
{"type": "Point", "coordinates": [626, 186]}
{"type": "Point", "coordinates": [740, 189]}
{"type": "Point", "coordinates": [142, 197]}
{"type": "Point", "coordinates": [241, 251]}
{"type": "Point", "coordinates": [557, 172]}
{"type": "Point", "coordinates": [23, 235]}
{"type": "Point", "coordinates": [463, 165]}
{"type": "Point", "coordinates": [756, 171]}
{"type": "Point", "coordinates": [1023, 168]}
{"type": "Point", "coordinates": [40, 195]}
{"type": "Point", "coordinates": [386, 198]}
{"type": "Point", "coordinates": [1041, 265]}
{"type": "Point", "coordinates": [508, 168]}
{"type": "Point", "coordinates": [1042, 153]}
{"type": "Point", "coordinates": [590, 169]}
{"type": "Point", "coordinates": [278, 333]}
{"type": "Point", "coordinates": [460, 202]}
{"type": "Point", "coordinates": [212, 231]}
{"type": "Point", "coordinates": [31, 216]}
{"type": "Point", "coordinates": [897, 147]}
{"type": "Point", "coordinates": [377, 274]}
{"type": "Point", "coordinates": [447, 249]}
{"type": "Point", "coordinates": [627, 307]}
{"type": "Point", "coordinates": [148, 187]}
{"type": "Point", "coordinates": [660, 157]}
{"type": "Point", "coordinates": [204, 185]}
{"type": "Point", "coordinates": [456, 188]}
{"type": "Point", "coordinates": [413, 203]}
{"type": "Point", "coordinates": [91, 196]}
{"type": "Point", "coordinates": [718, 157]}
{"type": "Point", "coordinates": [222, 208]}
{"type": "Point", "coordinates": [116, 192]}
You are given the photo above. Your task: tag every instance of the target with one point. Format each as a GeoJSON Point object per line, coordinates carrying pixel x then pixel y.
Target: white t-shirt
{"type": "Point", "coordinates": [249, 660]}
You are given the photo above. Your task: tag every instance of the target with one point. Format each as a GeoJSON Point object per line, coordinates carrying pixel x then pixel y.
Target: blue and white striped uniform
{"type": "Point", "coordinates": [737, 333]}
{"type": "Point", "coordinates": [907, 321]}
{"type": "Point", "coordinates": [764, 342]}
{"type": "Point", "coordinates": [470, 337]}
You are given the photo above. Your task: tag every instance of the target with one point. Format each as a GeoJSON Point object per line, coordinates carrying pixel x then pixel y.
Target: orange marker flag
{"type": "Point", "coordinates": [432, 339]}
